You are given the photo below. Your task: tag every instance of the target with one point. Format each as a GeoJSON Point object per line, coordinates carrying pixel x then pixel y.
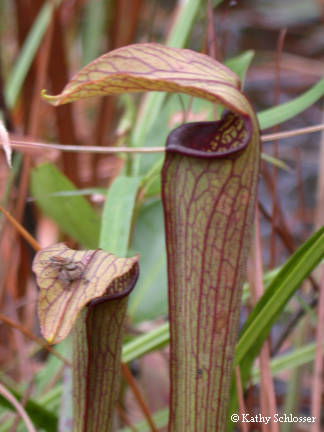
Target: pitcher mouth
{"type": "Point", "coordinates": [212, 139]}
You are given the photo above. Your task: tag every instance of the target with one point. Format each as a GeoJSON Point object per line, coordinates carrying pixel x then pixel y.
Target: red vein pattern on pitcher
{"type": "Point", "coordinates": [208, 196]}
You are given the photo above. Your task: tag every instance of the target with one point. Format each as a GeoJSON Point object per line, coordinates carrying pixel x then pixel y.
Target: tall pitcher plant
{"type": "Point", "coordinates": [209, 181]}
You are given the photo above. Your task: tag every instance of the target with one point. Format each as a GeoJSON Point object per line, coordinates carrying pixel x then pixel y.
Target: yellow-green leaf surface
{"type": "Point", "coordinates": [154, 67]}
{"type": "Point", "coordinates": [104, 276]}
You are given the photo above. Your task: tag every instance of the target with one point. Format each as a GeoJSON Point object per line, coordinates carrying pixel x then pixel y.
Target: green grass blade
{"type": "Point", "coordinates": [272, 303]}
{"type": "Point", "coordinates": [149, 297]}
{"type": "Point", "coordinates": [298, 357]}
{"type": "Point", "coordinates": [93, 27]}
{"type": "Point", "coordinates": [276, 115]}
{"type": "Point", "coordinates": [40, 416]}
{"type": "Point", "coordinates": [276, 162]}
{"type": "Point", "coordinates": [27, 54]}
{"type": "Point", "coordinates": [182, 27]}
{"type": "Point", "coordinates": [276, 296]}
{"type": "Point", "coordinates": [240, 64]}
{"type": "Point", "coordinates": [73, 214]}
{"type": "Point", "coordinates": [153, 340]}
{"type": "Point", "coordinates": [117, 215]}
